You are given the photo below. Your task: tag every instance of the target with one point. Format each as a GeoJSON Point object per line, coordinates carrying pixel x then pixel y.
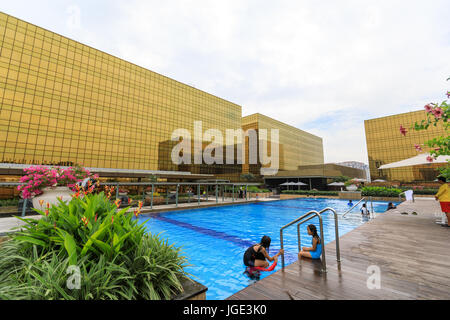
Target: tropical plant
{"type": "Point", "coordinates": [255, 189]}
{"type": "Point", "coordinates": [117, 258]}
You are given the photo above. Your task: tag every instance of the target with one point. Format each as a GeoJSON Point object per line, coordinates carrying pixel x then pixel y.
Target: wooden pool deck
{"type": "Point", "coordinates": [411, 252]}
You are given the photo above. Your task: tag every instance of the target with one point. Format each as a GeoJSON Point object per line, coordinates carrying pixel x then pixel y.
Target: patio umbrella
{"type": "Point", "coordinates": [359, 180]}
{"type": "Point", "coordinates": [379, 180]}
{"type": "Point", "coordinates": [414, 161]}
{"type": "Point", "coordinates": [299, 184]}
{"type": "Point", "coordinates": [337, 184]}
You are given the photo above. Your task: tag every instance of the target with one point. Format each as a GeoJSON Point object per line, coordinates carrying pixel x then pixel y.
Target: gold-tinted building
{"type": "Point", "coordinates": [385, 144]}
{"type": "Point", "coordinates": [62, 102]}
{"type": "Point", "coordinates": [296, 147]}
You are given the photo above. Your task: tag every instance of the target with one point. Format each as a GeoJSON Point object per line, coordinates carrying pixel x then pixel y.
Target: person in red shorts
{"type": "Point", "coordinates": [443, 196]}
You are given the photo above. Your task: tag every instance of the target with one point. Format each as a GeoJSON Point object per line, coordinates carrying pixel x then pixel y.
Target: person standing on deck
{"type": "Point", "coordinates": [443, 195]}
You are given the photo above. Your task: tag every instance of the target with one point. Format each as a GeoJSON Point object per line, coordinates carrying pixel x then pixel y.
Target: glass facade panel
{"type": "Point", "coordinates": [296, 147]}
{"type": "Point", "coordinates": [385, 144]}
{"type": "Point", "coordinates": [62, 102]}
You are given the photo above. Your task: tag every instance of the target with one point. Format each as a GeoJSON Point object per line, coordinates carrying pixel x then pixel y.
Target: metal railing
{"type": "Point", "coordinates": [314, 213]}
{"type": "Point", "coordinates": [336, 230]}
{"type": "Point", "coordinates": [306, 217]}
{"type": "Point", "coordinates": [198, 197]}
{"type": "Point", "coordinates": [362, 199]}
{"type": "Point", "coordinates": [400, 196]}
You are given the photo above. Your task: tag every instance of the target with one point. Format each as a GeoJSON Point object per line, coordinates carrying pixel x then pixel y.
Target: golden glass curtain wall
{"type": "Point", "coordinates": [385, 144]}
{"type": "Point", "coordinates": [62, 102]}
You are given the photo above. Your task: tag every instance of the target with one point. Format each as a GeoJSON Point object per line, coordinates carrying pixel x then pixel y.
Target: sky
{"type": "Point", "coordinates": [323, 67]}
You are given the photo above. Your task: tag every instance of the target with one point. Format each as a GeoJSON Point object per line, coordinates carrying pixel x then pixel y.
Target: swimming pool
{"type": "Point", "coordinates": [214, 239]}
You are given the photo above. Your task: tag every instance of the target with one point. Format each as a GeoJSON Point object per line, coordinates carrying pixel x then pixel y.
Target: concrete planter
{"type": "Point", "coordinates": [295, 196]}
{"type": "Point", "coordinates": [350, 195]}
{"type": "Point", "coordinates": [192, 290]}
{"type": "Point", "coordinates": [51, 196]}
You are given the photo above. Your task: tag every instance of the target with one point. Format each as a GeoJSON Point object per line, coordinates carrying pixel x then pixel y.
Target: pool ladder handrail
{"type": "Point", "coordinates": [315, 214]}
{"type": "Point", "coordinates": [364, 198]}
{"type": "Point", "coordinates": [336, 231]}
{"type": "Point", "coordinates": [306, 217]}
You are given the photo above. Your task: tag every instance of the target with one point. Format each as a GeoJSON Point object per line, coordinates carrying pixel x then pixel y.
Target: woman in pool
{"type": "Point", "coordinates": [256, 255]}
{"type": "Point", "coordinates": [315, 251]}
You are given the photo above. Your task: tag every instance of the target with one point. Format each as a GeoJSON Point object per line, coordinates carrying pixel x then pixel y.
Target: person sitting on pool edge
{"type": "Point", "coordinates": [391, 206]}
{"type": "Point", "coordinates": [256, 255]}
{"type": "Point", "coordinates": [315, 251]}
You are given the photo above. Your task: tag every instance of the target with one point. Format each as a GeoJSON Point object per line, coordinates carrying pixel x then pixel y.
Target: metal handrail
{"type": "Point", "coordinates": [400, 196]}
{"type": "Point", "coordinates": [353, 207]}
{"type": "Point", "coordinates": [314, 213]}
{"type": "Point", "coordinates": [336, 231]}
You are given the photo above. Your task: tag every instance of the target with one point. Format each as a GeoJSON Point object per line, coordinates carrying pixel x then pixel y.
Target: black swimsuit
{"type": "Point", "coordinates": [251, 255]}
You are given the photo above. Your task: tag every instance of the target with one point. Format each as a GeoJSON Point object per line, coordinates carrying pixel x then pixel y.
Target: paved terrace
{"type": "Point", "coordinates": [412, 252]}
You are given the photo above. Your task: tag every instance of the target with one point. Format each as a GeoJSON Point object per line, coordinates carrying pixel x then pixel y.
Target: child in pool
{"type": "Point", "coordinates": [315, 251]}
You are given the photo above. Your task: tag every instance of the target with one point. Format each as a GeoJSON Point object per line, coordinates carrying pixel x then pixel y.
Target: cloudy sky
{"type": "Point", "coordinates": [322, 66]}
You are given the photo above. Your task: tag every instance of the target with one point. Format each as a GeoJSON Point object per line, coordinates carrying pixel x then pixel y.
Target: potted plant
{"type": "Point", "coordinates": [46, 185]}
{"type": "Point", "coordinates": [352, 185]}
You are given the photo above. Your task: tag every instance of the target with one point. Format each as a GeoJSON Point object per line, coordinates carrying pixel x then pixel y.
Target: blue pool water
{"type": "Point", "coordinates": [215, 239]}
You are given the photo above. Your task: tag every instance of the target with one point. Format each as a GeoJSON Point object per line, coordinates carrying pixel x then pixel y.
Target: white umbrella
{"type": "Point", "coordinates": [416, 160]}
{"type": "Point", "coordinates": [359, 180]}
{"type": "Point", "coordinates": [285, 184]}
{"type": "Point", "coordinates": [299, 184]}
{"type": "Point", "coordinates": [379, 180]}
{"type": "Point", "coordinates": [337, 184]}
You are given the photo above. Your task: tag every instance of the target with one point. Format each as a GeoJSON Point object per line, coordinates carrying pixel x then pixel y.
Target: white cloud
{"type": "Point", "coordinates": [302, 62]}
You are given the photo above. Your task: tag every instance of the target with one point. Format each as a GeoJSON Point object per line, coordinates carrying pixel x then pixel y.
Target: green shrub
{"type": "Point", "coordinates": [255, 189]}
{"type": "Point", "coordinates": [116, 257]}
{"type": "Point", "coordinates": [311, 192]}
{"type": "Point", "coordinates": [9, 202]}
{"type": "Point", "coordinates": [380, 192]}
{"type": "Point", "coordinates": [428, 191]}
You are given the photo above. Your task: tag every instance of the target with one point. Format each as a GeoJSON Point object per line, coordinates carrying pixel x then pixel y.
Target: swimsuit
{"type": "Point", "coordinates": [251, 255]}
{"type": "Point", "coordinates": [316, 254]}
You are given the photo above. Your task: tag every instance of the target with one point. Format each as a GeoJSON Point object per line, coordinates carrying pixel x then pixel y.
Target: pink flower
{"type": "Point", "coordinates": [438, 112]}
{"type": "Point", "coordinates": [448, 94]}
{"type": "Point", "coordinates": [403, 130]}
{"type": "Point", "coordinates": [418, 148]}
{"type": "Point", "coordinates": [429, 159]}
{"type": "Point", "coordinates": [429, 108]}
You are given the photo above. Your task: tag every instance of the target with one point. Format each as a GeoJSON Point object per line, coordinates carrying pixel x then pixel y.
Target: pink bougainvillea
{"type": "Point", "coordinates": [37, 178]}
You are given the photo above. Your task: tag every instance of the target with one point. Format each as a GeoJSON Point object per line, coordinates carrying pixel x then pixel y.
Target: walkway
{"type": "Point", "coordinates": [411, 252]}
